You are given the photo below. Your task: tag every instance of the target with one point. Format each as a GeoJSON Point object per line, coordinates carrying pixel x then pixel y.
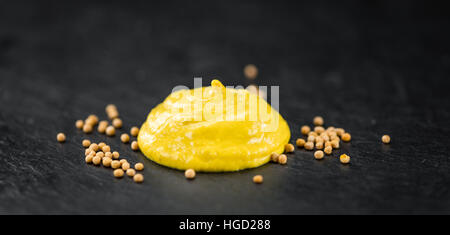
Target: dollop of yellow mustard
{"type": "Point", "coordinates": [213, 129]}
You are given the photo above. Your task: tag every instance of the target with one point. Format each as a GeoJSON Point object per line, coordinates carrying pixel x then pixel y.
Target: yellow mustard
{"type": "Point", "coordinates": [213, 129]}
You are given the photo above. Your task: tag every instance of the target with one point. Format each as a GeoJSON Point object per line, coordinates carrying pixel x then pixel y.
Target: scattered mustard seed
{"type": "Point", "coordinates": [79, 124]}
{"type": "Point", "coordinates": [110, 131]}
{"type": "Point", "coordinates": [106, 148]}
{"type": "Point", "coordinates": [134, 131]}
{"type": "Point", "coordinates": [122, 161]}
{"type": "Point", "coordinates": [92, 120]}
{"type": "Point", "coordinates": [138, 178]}
{"type": "Point", "coordinates": [88, 158]}
{"type": "Point", "coordinates": [344, 158]}
{"type": "Point", "coordinates": [100, 154]}
{"type": "Point", "coordinates": [319, 129]}
{"type": "Point", "coordinates": [328, 144]}
{"type": "Point", "coordinates": [340, 131]}
{"type": "Point", "coordinates": [250, 71]}
{"type": "Point", "coordinates": [125, 138]}
{"type": "Point", "coordinates": [319, 145]}
{"type": "Point", "coordinates": [87, 128]}
{"type": "Point", "coordinates": [118, 173]}
{"type": "Point", "coordinates": [318, 121]}
{"type": "Point", "coordinates": [115, 155]}
{"type": "Point", "coordinates": [311, 138]}
{"type": "Point", "coordinates": [131, 172]}
{"type": "Point", "coordinates": [117, 123]}
{"type": "Point", "coordinates": [134, 145]}
{"type": "Point", "coordinates": [346, 137]}
{"type": "Point", "coordinates": [318, 155]}
{"type": "Point", "coordinates": [106, 161]}
{"type": "Point", "coordinates": [386, 139]}
{"type": "Point", "coordinates": [335, 144]}
{"type": "Point", "coordinates": [94, 147]}
{"type": "Point", "coordinates": [109, 155]}
{"type": "Point", "coordinates": [189, 174]}
{"type": "Point", "coordinates": [289, 148]}
{"type": "Point", "coordinates": [102, 126]}
{"type": "Point", "coordinates": [96, 160]}
{"type": "Point", "coordinates": [61, 137]}
{"type": "Point", "coordinates": [101, 145]}
{"type": "Point", "coordinates": [139, 166]}
{"type": "Point", "coordinates": [300, 142]}
{"type": "Point", "coordinates": [115, 164]}
{"type": "Point", "coordinates": [309, 145]}
{"type": "Point", "coordinates": [86, 143]}
{"type": "Point", "coordinates": [257, 179]}
{"type": "Point", "coordinates": [305, 130]}
{"type": "Point", "coordinates": [111, 111]}
{"type": "Point", "coordinates": [125, 166]}
{"type": "Point", "coordinates": [282, 159]}
{"type": "Point", "coordinates": [328, 150]}
{"type": "Point", "coordinates": [274, 157]}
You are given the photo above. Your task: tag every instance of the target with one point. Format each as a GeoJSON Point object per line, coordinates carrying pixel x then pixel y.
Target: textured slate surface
{"type": "Point", "coordinates": [372, 68]}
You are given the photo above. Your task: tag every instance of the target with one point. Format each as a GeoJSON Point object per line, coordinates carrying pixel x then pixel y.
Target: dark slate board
{"type": "Point", "coordinates": [372, 68]}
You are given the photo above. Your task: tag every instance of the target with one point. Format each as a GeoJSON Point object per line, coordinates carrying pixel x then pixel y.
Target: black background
{"type": "Point", "coordinates": [371, 67]}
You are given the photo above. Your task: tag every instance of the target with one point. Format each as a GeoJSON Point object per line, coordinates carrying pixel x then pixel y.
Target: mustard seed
{"type": "Point", "coordinates": [134, 131]}
{"type": "Point", "coordinates": [138, 178]}
{"type": "Point", "coordinates": [102, 126]}
{"type": "Point", "coordinates": [110, 131]}
{"type": "Point", "coordinates": [92, 120]}
{"type": "Point", "coordinates": [189, 174]}
{"type": "Point", "coordinates": [318, 121]}
{"type": "Point", "coordinates": [106, 161]}
{"type": "Point", "coordinates": [131, 172]}
{"type": "Point", "coordinates": [111, 111]}
{"type": "Point", "coordinates": [282, 159]}
{"type": "Point", "coordinates": [88, 158]}
{"type": "Point", "coordinates": [335, 144]}
{"type": "Point", "coordinates": [328, 150]}
{"type": "Point", "coordinates": [300, 142]}
{"type": "Point", "coordinates": [117, 123]}
{"type": "Point", "coordinates": [109, 155]}
{"type": "Point", "coordinates": [86, 143]}
{"type": "Point", "coordinates": [346, 137]}
{"type": "Point", "coordinates": [115, 155]}
{"type": "Point", "coordinates": [101, 145]}
{"type": "Point", "coordinates": [250, 71]}
{"type": "Point", "coordinates": [96, 160]}
{"type": "Point", "coordinates": [134, 145]}
{"type": "Point", "coordinates": [87, 128]}
{"type": "Point", "coordinates": [94, 147]}
{"type": "Point", "coordinates": [289, 148]}
{"type": "Point", "coordinates": [87, 151]}
{"type": "Point", "coordinates": [61, 137]}
{"type": "Point", "coordinates": [328, 144]}
{"type": "Point", "coordinates": [115, 164]}
{"type": "Point", "coordinates": [305, 130]}
{"type": "Point", "coordinates": [309, 145]}
{"type": "Point", "coordinates": [118, 173]}
{"type": "Point", "coordinates": [125, 138]}
{"type": "Point", "coordinates": [311, 138]}
{"type": "Point", "coordinates": [100, 154]}
{"type": "Point", "coordinates": [257, 179]}
{"type": "Point", "coordinates": [106, 148]}
{"type": "Point", "coordinates": [319, 145]}
{"type": "Point", "coordinates": [79, 124]}
{"type": "Point", "coordinates": [125, 166]}
{"type": "Point", "coordinates": [319, 129]}
{"type": "Point", "coordinates": [274, 157]}
{"type": "Point", "coordinates": [386, 139]}
{"type": "Point", "coordinates": [139, 166]}
{"type": "Point", "coordinates": [312, 133]}
{"type": "Point", "coordinates": [340, 131]}
{"type": "Point", "coordinates": [318, 155]}
{"type": "Point", "coordinates": [122, 161]}
{"type": "Point", "coordinates": [344, 158]}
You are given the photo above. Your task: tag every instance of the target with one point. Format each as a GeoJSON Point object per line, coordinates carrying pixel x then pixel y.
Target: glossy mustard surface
{"type": "Point", "coordinates": [186, 132]}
